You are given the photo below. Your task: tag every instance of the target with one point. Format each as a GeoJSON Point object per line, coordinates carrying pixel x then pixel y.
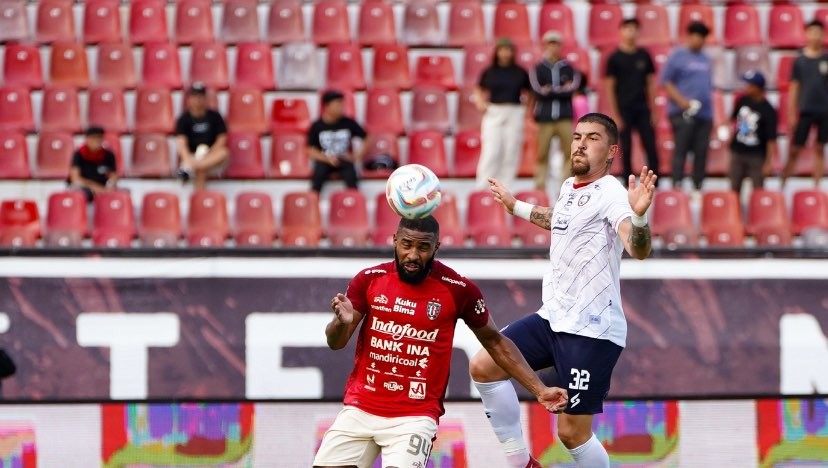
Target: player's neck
{"type": "Point", "coordinates": [582, 181]}
{"type": "Point", "coordinates": [812, 50]}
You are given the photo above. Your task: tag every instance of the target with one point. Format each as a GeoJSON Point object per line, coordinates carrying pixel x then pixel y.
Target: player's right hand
{"type": "Point", "coordinates": [554, 399]}
{"type": "Point", "coordinates": [343, 308]}
{"type": "Point", "coordinates": [502, 195]}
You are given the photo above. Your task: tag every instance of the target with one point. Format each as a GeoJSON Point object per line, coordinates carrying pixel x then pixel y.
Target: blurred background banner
{"type": "Point", "coordinates": [239, 329]}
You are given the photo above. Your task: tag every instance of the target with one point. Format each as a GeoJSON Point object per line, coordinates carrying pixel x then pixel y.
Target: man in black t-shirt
{"type": "Point", "coordinates": [754, 143]}
{"type": "Point", "coordinates": [630, 82]}
{"type": "Point", "coordinates": [93, 166]}
{"type": "Point", "coordinates": [330, 143]}
{"type": "Point", "coordinates": [201, 139]}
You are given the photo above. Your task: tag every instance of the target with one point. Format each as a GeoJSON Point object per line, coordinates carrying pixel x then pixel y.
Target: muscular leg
{"type": "Point", "coordinates": [575, 431]}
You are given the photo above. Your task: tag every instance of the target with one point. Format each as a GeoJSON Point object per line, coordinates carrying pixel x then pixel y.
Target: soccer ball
{"type": "Point", "coordinates": [413, 191]}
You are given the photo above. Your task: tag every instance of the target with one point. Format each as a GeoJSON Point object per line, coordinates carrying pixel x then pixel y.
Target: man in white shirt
{"type": "Point", "coordinates": [580, 329]}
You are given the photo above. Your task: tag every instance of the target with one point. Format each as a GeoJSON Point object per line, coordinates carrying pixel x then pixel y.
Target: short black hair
{"type": "Point", "coordinates": [815, 22]}
{"type": "Point", "coordinates": [607, 122]}
{"type": "Point", "coordinates": [428, 224]}
{"type": "Point", "coordinates": [331, 95]}
{"type": "Point", "coordinates": [94, 131]}
{"type": "Point", "coordinates": [630, 22]}
{"type": "Point", "coordinates": [697, 27]}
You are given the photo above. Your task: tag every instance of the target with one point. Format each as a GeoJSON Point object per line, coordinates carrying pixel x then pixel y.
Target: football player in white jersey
{"type": "Point", "coordinates": [580, 329]}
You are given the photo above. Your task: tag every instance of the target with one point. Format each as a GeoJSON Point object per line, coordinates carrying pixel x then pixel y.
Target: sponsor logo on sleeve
{"type": "Point", "coordinates": [480, 306]}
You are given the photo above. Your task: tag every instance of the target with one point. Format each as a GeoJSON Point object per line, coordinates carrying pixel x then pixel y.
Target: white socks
{"type": "Point", "coordinates": [500, 402]}
{"type": "Point", "coordinates": [591, 454]}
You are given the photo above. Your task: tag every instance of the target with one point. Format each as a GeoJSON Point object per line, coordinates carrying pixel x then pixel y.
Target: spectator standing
{"type": "Point", "coordinates": [630, 82]}
{"type": "Point", "coordinates": [808, 99]}
{"type": "Point", "coordinates": [330, 143]}
{"type": "Point", "coordinates": [201, 139]}
{"type": "Point", "coordinates": [93, 169]}
{"type": "Point", "coordinates": [498, 95]}
{"type": "Point", "coordinates": [754, 143]}
{"type": "Point", "coordinates": [553, 81]}
{"type": "Point", "coordinates": [687, 79]}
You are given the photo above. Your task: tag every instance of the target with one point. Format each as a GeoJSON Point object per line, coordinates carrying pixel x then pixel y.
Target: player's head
{"type": "Point", "coordinates": [813, 33]}
{"type": "Point", "coordinates": [333, 103]}
{"type": "Point", "coordinates": [696, 35]}
{"type": "Point", "coordinates": [415, 244]}
{"type": "Point", "coordinates": [594, 144]}
{"type": "Point", "coordinates": [629, 29]}
{"type": "Point", "coordinates": [93, 138]}
{"type": "Point", "coordinates": [197, 98]}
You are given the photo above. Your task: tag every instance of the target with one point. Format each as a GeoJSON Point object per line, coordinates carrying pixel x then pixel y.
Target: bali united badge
{"type": "Point", "coordinates": [433, 309]}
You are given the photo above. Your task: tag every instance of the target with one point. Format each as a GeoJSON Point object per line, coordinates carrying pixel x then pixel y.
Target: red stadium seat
{"type": "Point", "coordinates": [580, 60]}
{"type": "Point", "coordinates": [16, 109]}
{"type": "Point", "coordinates": [786, 26]}
{"type": "Point", "coordinates": [822, 15]}
{"type": "Point", "coordinates": [154, 110]}
{"type": "Point", "coordinates": [768, 218]}
{"type": "Point", "coordinates": [240, 21]}
{"type": "Point", "coordinates": [193, 21]}
{"type": "Point", "coordinates": [114, 220]}
{"type": "Point", "coordinates": [254, 223]}
{"type": "Point", "coordinates": [783, 74]}
{"type": "Point", "coordinates": [147, 21]}
{"type": "Point", "coordinates": [245, 156]}
{"type": "Point", "coordinates": [382, 144]}
{"type": "Point", "coordinates": [285, 22]}
{"type": "Point", "coordinates": [486, 221]}
{"type": "Point", "coordinates": [718, 158]}
{"type": "Point", "coordinates": [288, 156]}
{"type": "Point", "coordinates": [54, 21]}
{"type": "Point", "coordinates": [107, 109]}
{"type": "Point", "coordinates": [528, 55]}
{"type": "Point", "coordinates": [14, 155]}
{"type": "Point", "coordinates": [655, 24]}
{"type": "Point", "coordinates": [290, 114]}
{"type": "Point", "coordinates": [254, 66]}
{"type": "Point", "coordinates": [452, 233]}
{"type": "Point", "coordinates": [659, 53]}
{"type": "Point", "coordinates": [348, 219]}
{"type": "Point", "coordinates": [557, 16]}
{"type": "Point", "coordinates": [810, 210]}
{"type": "Point", "coordinates": [741, 25]}
{"type": "Point", "coordinates": [529, 234]}
{"type": "Point", "coordinates": [208, 65]}
{"type": "Point", "coordinates": [68, 66]}
{"type": "Point", "coordinates": [160, 220]}
{"type": "Point", "coordinates": [390, 67]}
{"type": "Point", "coordinates": [376, 24]}
{"type": "Point", "coordinates": [383, 111]}
{"type": "Point", "coordinates": [102, 21]}
{"type": "Point", "coordinates": [421, 25]}
{"type": "Point", "coordinates": [54, 155]}
{"type": "Point", "coordinates": [301, 220]}
{"type": "Point", "coordinates": [701, 12]}
{"type": "Point", "coordinates": [466, 25]}
{"type": "Point", "coordinates": [60, 110]}
{"type": "Point", "coordinates": [330, 22]}
{"type": "Point", "coordinates": [752, 57]}
{"type": "Point", "coordinates": [207, 220]}
{"type": "Point", "coordinates": [428, 148]}
{"type": "Point", "coordinates": [245, 110]}
{"type": "Point", "coordinates": [385, 223]}
{"type": "Point", "coordinates": [19, 223]}
{"type": "Point", "coordinates": [115, 66]}
{"type": "Point", "coordinates": [511, 19]}
{"type": "Point", "coordinates": [161, 65]}
{"type": "Point", "coordinates": [14, 24]}
{"type": "Point", "coordinates": [21, 66]}
{"type": "Point", "coordinates": [726, 235]}
{"type": "Point", "coordinates": [434, 71]}
{"type": "Point", "coordinates": [66, 221]}
{"type": "Point", "coordinates": [476, 58]}
{"type": "Point", "coordinates": [672, 220]}
{"type": "Point", "coordinates": [529, 153]}
{"type": "Point", "coordinates": [344, 71]}
{"type": "Point", "coordinates": [299, 69]}
{"type": "Point", "coordinates": [466, 153]}
{"type": "Point", "coordinates": [604, 19]}
{"type": "Point", "coordinates": [719, 208]}
{"type": "Point", "coordinates": [150, 155]}
{"type": "Point", "coordinates": [468, 115]}
{"type": "Point", "coordinates": [429, 110]}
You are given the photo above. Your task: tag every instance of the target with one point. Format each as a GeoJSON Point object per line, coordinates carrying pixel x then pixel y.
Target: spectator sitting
{"type": "Point", "coordinates": [201, 139]}
{"type": "Point", "coordinates": [330, 144]}
{"type": "Point", "coordinates": [754, 143]}
{"type": "Point", "coordinates": [93, 166]}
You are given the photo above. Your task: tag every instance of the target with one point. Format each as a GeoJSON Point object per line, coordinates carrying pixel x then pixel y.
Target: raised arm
{"type": "Point", "coordinates": [635, 231]}
{"type": "Point", "coordinates": [540, 216]}
{"type": "Point", "coordinates": [342, 326]}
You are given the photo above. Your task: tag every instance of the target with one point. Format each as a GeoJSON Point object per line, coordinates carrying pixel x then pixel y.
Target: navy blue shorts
{"type": "Point", "coordinates": [584, 365]}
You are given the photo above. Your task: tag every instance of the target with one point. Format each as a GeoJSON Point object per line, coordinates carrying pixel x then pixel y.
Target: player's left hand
{"type": "Point", "coordinates": [641, 194]}
{"type": "Point", "coordinates": [554, 399]}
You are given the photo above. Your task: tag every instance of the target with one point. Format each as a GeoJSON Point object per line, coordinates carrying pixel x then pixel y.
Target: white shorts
{"type": "Point", "coordinates": [357, 437]}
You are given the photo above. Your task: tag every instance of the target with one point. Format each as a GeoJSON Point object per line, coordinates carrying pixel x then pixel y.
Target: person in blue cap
{"type": "Point", "coordinates": [753, 145]}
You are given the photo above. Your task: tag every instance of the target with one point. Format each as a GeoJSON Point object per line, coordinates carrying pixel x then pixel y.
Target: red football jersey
{"type": "Point", "coordinates": [403, 351]}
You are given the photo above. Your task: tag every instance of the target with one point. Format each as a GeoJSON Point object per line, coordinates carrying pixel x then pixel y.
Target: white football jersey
{"type": "Point", "coordinates": [582, 292]}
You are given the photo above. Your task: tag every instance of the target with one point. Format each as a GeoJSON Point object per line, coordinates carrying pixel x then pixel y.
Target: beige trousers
{"type": "Point", "coordinates": [501, 143]}
{"type": "Point", "coordinates": [546, 131]}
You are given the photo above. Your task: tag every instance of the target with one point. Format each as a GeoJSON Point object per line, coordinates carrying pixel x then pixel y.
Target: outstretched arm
{"type": "Point", "coordinates": [635, 231]}
{"type": "Point", "coordinates": [342, 326]}
{"type": "Point", "coordinates": [504, 352]}
{"type": "Point", "coordinates": [540, 216]}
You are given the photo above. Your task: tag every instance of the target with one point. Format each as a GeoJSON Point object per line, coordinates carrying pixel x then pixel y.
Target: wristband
{"type": "Point", "coordinates": [523, 210]}
{"type": "Point", "coordinates": [638, 221]}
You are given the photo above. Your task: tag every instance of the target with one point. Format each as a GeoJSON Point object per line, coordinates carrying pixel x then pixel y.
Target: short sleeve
{"type": "Point", "coordinates": [736, 107]}
{"type": "Point", "coordinates": [485, 81]}
{"type": "Point", "coordinates": [796, 69]}
{"type": "Point", "coordinates": [313, 137]}
{"type": "Point", "coordinates": [473, 309]}
{"type": "Point", "coordinates": [617, 207]}
{"type": "Point", "coordinates": [109, 161]}
{"type": "Point", "coordinates": [668, 73]}
{"type": "Point", "coordinates": [76, 159]}
{"type": "Point", "coordinates": [524, 84]}
{"type": "Point", "coordinates": [357, 289]}
{"type": "Point", "coordinates": [649, 65]}
{"type": "Point", "coordinates": [611, 66]}
{"type": "Point", "coordinates": [181, 126]}
{"type": "Point", "coordinates": [357, 130]}
{"type": "Point", "coordinates": [770, 122]}
{"type": "Point", "coordinates": [221, 126]}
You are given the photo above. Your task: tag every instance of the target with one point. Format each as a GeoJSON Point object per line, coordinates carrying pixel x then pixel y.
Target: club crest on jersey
{"type": "Point", "coordinates": [584, 199]}
{"type": "Point", "coordinates": [433, 309]}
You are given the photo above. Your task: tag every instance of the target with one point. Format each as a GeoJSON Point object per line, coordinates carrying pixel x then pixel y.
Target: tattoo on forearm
{"type": "Point", "coordinates": [541, 216]}
{"type": "Point", "coordinates": [640, 238]}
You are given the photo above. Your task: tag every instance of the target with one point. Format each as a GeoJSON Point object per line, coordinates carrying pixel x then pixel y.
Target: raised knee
{"type": "Point", "coordinates": [483, 369]}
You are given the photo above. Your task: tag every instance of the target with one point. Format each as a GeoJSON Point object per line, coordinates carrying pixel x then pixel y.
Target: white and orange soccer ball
{"type": "Point", "coordinates": [413, 191]}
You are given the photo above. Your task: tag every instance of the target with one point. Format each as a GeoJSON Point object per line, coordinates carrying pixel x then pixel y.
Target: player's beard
{"type": "Point", "coordinates": [413, 278]}
{"type": "Point", "coordinates": [581, 167]}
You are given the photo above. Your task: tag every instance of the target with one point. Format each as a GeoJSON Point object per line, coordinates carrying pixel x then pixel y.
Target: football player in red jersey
{"type": "Point", "coordinates": [408, 309]}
